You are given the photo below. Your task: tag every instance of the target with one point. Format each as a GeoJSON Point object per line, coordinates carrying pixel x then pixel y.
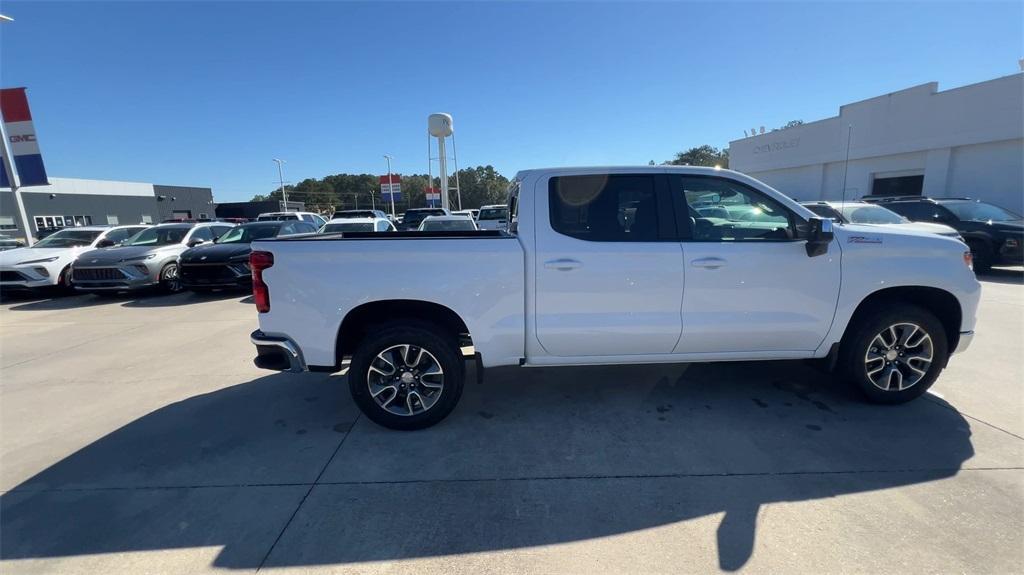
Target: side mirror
{"type": "Point", "coordinates": [105, 243]}
{"type": "Point", "coordinates": [195, 242]}
{"type": "Point", "coordinates": [819, 236]}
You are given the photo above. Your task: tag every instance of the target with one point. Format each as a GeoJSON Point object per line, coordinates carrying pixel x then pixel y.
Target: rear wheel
{"type": "Point", "coordinates": [894, 353]}
{"type": "Point", "coordinates": [407, 377]}
{"type": "Point", "coordinates": [169, 280]}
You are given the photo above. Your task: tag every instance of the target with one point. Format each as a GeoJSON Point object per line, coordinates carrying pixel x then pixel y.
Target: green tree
{"type": "Point", "coordinates": [705, 155]}
{"type": "Point", "coordinates": [480, 186]}
{"type": "Point", "coordinates": [789, 124]}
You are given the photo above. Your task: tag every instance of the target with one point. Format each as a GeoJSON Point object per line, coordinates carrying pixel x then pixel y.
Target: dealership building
{"type": "Point", "coordinates": [77, 202]}
{"type": "Point", "coordinates": [961, 142]}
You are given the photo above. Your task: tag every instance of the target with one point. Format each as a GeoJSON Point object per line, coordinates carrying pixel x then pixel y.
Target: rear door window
{"type": "Point", "coordinates": [607, 208]}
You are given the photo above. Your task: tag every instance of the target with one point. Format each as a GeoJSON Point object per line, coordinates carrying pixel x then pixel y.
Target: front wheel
{"type": "Point", "coordinates": [407, 377]}
{"type": "Point", "coordinates": [894, 354]}
{"type": "Point", "coordinates": [169, 280]}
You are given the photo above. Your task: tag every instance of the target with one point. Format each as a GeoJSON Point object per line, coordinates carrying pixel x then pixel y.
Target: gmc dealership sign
{"type": "Point", "coordinates": [21, 138]}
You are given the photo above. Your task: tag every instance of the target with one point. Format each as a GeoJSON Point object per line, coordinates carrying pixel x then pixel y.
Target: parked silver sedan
{"type": "Point", "coordinates": [147, 259]}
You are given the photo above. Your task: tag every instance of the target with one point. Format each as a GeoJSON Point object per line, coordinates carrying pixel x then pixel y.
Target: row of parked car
{"type": "Point", "coordinates": [204, 256]}
{"type": "Point", "coordinates": [995, 235]}
{"type": "Point", "coordinates": [199, 256]}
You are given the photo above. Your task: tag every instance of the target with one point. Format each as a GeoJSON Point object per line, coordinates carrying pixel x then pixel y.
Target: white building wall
{"type": "Point", "coordinates": [964, 141]}
{"type": "Point", "coordinates": [994, 171]}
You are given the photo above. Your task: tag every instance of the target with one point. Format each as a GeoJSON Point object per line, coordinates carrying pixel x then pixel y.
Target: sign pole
{"type": "Point", "coordinates": [391, 187]}
{"type": "Point", "coordinates": [15, 181]}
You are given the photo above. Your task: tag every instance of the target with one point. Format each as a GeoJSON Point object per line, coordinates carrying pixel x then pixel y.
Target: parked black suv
{"type": "Point", "coordinates": [995, 235]}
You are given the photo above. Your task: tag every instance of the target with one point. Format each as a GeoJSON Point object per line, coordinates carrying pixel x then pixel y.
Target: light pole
{"type": "Point", "coordinates": [391, 189]}
{"type": "Point", "coordinates": [12, 176]}
{"type": "Point", "coordinates": [280, 176]}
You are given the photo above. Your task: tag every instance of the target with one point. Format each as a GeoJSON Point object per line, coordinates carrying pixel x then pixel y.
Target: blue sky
{"type": "Point", "coordinates": [208, 93]}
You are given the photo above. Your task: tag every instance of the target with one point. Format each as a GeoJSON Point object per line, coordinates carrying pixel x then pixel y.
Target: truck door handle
{"type": "Point", "coordinates": [709, 263]}
{"type": "Point", "coordinates": [563, 265]}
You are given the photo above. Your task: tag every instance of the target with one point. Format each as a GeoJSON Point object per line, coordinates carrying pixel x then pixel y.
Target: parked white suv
{"type": "Point", "coordinates": [375, 224]}
{"type": "Point", "coordinates": [616, 266]}
{"type": "Point", "coordinates": [493, 218]}
{"type": "Point", "coordinates": [47, 263]}
{"type": "Point", "coordinates": [315, 219]}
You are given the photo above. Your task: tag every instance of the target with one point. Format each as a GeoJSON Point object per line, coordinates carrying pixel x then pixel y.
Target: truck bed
{"type": "Point", "coordinates": [317, 279]}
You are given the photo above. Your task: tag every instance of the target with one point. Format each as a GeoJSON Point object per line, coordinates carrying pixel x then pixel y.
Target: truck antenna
{"type": "Point", "coordinates": [846, 162]}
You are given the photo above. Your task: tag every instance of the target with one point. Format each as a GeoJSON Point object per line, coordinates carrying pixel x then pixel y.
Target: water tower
{"type": "Point", "coordinates": [440, 126]}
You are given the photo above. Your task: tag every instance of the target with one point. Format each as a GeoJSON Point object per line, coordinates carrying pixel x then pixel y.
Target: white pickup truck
{"type": "Point", "coordinates": [614, 266]}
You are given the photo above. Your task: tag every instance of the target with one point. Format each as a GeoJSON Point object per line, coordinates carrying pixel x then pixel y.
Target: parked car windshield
{"type": "Point", "coordinates": [248, 233]}
{"type": "Point", "coordinates": [494, 214]}
{"type": "Point", "coordinates": [355, 214]}
{"type": "Point", "coordinates": [871, 215]}
{"type": "Point", "coordinates": [447, 225]}
{"type": "Point", "coordinates": [825, 211]}
{"type": "Point", "coordinates": [980, 212]}
{"type": "Point", "coordinates": [68, 239]}
{"type": "Point", "coordinates": [348, 227]}
{"type": "Point", "coordinates": [276, 217]}
{"type": "Point", "coordinates": [157, 237]}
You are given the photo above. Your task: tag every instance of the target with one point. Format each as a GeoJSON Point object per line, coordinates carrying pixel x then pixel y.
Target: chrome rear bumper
{"type": "Point", "coordinates": [277, 353]}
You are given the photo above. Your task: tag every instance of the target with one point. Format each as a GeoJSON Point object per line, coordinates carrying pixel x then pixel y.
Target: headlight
{"type": "Point", "coordinates": [140, 258]}
{"type": "Point", "coordinates": [42, 261]}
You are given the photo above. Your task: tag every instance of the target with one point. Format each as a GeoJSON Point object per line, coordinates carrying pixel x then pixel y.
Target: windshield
{"type": "Point", "coordinates": [871, 215]}
{"type": "Point", "coordinates": [157, 237]}
{"type": "Point", "coordinates": [824, 211]}
{"type": "Point", "coordinates": [246, 234]}
{"type": "Point", "coordinates": [447, 225]}
{"type": "Point", "coordinates": [276, 217]}
{"type": "Point", "coordinates": [494, 214]}
{"type": "Point", "coordinates": [355, 214]}
{"type": "Point", "coordinates": [348, 227]}
{"type": "Point", "coordinates": [417, 216]}
{"type": "Point", "coordinates": [980, 212]}
{"type": "Point", "coordinates": [68, 239]}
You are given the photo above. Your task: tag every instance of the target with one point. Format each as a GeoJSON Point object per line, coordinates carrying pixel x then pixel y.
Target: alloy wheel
{"type": "Point", "coordinates": [898, 357]}
{"type": "Point", "coordinates": [170, 278]}
{"type": "Point", "coordinates": [405, 380]}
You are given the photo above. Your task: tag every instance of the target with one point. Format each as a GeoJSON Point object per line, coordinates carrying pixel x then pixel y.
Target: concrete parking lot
{"type": "Point", "coordinates": [138, 437]}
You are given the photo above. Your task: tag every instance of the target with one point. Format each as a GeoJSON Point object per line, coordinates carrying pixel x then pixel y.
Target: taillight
{"type": "Point", "coordinates": [969, 259]}
{"type": "Point", "coordinates": [260, 261]}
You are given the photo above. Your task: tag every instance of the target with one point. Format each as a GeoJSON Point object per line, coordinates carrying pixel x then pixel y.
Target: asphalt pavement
{"type": "Point", "coordinates": [137, 437]}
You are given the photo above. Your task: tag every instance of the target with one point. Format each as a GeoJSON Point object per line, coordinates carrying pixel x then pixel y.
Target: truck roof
{"type": "Point", "coordinates": [583, 170]}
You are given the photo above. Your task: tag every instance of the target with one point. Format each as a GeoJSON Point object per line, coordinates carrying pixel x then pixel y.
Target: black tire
{"type": "Point", "coordinates": [439, 344]}
{"type": "Point", "coordinates": [64, 281]}
{"type": "Point", "coordinates": [859, 340]}
{"type": "Point", "coordinates": [169, 284]}
{"type": "Point", "coordinates": [983, 255]}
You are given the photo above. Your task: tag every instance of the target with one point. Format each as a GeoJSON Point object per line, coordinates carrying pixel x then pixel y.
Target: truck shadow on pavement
{"type": "Point", "coordinates": [530, 458]}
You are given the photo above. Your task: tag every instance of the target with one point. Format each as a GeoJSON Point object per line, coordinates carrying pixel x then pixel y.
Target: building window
{"type": "Point", "coordinates": [7, 223]}
{"type": "Point", "coordinates": [898, 186]}
{"type": "Point", "coordinates": [202, 216]}
{"type": "Point", "coordinates": [147, 219]}
{"type": "Point", "coordinates": [111, 220]}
